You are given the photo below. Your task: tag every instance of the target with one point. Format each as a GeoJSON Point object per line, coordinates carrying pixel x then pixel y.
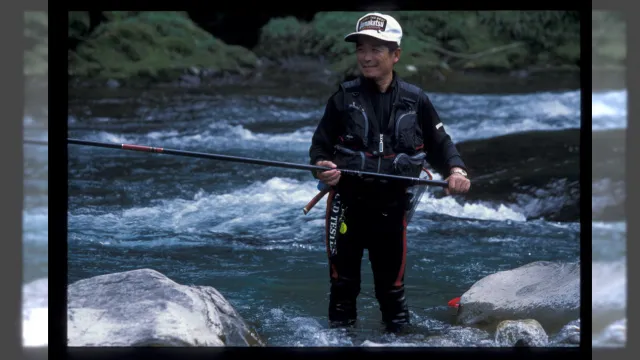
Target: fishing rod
{"type": "Point", "coordinates": [323, 191]}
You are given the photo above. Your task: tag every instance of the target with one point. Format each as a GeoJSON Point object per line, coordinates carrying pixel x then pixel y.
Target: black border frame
{"type": "Point", "coordinates": [57, 226]}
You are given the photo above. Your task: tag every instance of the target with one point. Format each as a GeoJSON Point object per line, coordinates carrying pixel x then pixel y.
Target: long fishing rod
{"type": "Point", "coordinates": [159, 150]}
{"type": "Point", "coordinates": [323, 191]}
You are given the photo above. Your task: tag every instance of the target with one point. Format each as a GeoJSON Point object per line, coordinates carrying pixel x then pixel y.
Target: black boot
{"type": "Point", "coordinates": [342, 302]}
{"type": "Point", "coordinates": [394, 308]}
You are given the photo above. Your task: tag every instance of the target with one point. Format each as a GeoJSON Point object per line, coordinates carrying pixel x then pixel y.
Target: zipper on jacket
{"type": "Point", "coordinates": [380, 151]}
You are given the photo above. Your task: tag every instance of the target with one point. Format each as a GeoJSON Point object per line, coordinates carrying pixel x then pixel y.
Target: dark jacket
{"type": "Point", "coordinates": [440, 151]}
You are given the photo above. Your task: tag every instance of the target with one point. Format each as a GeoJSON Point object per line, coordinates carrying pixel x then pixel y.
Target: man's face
{"type": "Point", "coordinates": [374, 58]}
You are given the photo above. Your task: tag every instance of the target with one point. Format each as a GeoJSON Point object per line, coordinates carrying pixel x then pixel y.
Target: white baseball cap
{"type": "Point", "coordinates": [380, 26]}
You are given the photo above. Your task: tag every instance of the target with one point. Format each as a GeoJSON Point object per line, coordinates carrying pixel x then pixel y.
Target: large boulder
{"type": "Point", "coordinates": [545, 166]}
{"type": "Point", "coordinates": [545, 291]}
{"type": "Point", "coordinates": [608, 294]}
{"type": "Point", "coordinates": [145, 308]}
{"type": "Point", "coordinates": [35, 313]}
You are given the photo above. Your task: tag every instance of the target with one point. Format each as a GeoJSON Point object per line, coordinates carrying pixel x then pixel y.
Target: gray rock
{"type": "Point", "coordinates": [113, 84]}
{"type": "Point", "coordinates": [521, 333]}
{"type": "Point", "coordinates": [614, 335]}
{"type": "Point", "coordinates": [568, 335]}
{"type": "Point", "coordinates": [145, 308]}
{"type": "Point", "coordinates": [608, 294]}
{"type": "Point", "coordinates": [545, 291]}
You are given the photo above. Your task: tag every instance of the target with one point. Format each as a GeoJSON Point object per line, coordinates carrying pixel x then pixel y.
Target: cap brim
{"type": "Point", "coordinates": [353, 37]}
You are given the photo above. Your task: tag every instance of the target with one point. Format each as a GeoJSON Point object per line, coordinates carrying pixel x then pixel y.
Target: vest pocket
{"type": "Point", "coordinates": [349, 159]}
{"type": "Point", "coordinates": [405, 165]}
{"type": "Point", "coordinates": [408, 134]}
{"type": "Point", "coordinates": [357, 128]}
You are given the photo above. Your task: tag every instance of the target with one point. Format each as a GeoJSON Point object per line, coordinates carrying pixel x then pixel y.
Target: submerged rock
{"type": "Point", "coordinates": [145, 308]}
{"type": "Point", "coordinates": [521, 333]}
{"type": "Point", "coordinates": [544, 291]}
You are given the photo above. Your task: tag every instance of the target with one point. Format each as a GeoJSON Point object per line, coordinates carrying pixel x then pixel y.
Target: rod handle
{"type": "Point", "coordinates": [315, 200]}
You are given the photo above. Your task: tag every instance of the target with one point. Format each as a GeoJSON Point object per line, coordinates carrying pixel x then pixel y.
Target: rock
{"type": "Point", "coordinates": [145, 308]}
{"type": "Point", "coordinates": [545, 291]}
{"type": "Point", "coordinates": [35, 313]}
{"type": "Point", "coordinates": [568, 335]}
{"type": "Point", "coordinates": [608, 294]}
{"type": "Point", "coordinates": [486, 343]}
{"type": "Point", "coordinates": [111, 83]}
{"type": "Point", "coordinates": [521, 333]}
{"type": "Point", "coordinates": [615, 335]}
{"type": "Point", "coordinates": [546, 166]}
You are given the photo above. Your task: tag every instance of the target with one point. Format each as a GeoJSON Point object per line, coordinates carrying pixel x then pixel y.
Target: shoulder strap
{"type": "Point", "coordinates": [350, 90]}
{"type": "Point", "coordinates": [349, 85]}
{"type": "Point", "coordinates": [409, 92]}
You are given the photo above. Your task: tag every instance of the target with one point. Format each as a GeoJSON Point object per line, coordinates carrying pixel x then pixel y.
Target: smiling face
{"type": "Point", "coordinates": [375, 57]}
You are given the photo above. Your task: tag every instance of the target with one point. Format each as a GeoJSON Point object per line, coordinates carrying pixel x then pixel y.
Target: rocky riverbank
{"type": "Point", "coordinates": [534, 305]}
{"type": "Point", "coordinates": [142, 48]}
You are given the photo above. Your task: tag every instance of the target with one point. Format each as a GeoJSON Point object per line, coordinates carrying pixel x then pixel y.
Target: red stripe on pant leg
{"type": "Point", "coordinates": [404, 251]}
{"type": "Point", "coordinates": [334, 272]}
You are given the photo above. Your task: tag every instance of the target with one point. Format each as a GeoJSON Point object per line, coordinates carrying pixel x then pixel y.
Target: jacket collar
{"type": "Point", "coordinates": [370, 85]}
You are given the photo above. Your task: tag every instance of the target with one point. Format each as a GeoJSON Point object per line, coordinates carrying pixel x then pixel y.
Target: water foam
{"type": "Point", "coordinates": [609, 110]}
{"type": "Point", "coordinates": [272, 207]}
{"type": "Point", "coordinates": [479, 211]}
{"type": "Point", "coordinates": [35, 224]}
{"type": "Point", "coordinates": [468, 117]}
{"type": "Point", "coordinates": [35, 317]}
{"type": "Point", "coordinates": [220, 136]}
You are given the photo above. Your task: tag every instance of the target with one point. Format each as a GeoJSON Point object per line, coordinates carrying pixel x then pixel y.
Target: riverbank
{"type": "Point", "coordinates": [442, 51]}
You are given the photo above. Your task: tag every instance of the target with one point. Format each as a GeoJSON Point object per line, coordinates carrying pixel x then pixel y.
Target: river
{"type": "Point", "coordinates": [240, 228]}
{"type": "Point", "coordinates": [609, 238]}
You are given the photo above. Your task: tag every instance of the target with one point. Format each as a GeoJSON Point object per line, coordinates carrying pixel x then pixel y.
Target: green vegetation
{"type": "Point", "coordinates": [443, 40]}
{"type": "Point", "coordinates": [608, 39]}
{"type": "Point", "coordinates": [36, 52]}
{"type": "Point", "coordinates": [164, 45]}
{"type": "Point", "coordinates": [156, 45]}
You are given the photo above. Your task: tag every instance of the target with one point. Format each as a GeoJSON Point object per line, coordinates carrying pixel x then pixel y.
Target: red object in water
{"type": "Point", "coordinates": [454, 302]}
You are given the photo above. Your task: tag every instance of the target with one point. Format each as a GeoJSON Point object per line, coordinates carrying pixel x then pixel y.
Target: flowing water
{"type": "Point", "coordinates": [35, 222]}
{"type": "Point", "coordinates": [240, 228]}
{"type": "Point", "coordinates": [609, 244]}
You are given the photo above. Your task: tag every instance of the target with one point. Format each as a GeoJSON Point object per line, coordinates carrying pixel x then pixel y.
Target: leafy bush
{"type": "Point", "coordinates": [155, 44]}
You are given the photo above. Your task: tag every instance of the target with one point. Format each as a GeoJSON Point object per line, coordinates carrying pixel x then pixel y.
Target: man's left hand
{"type": "Point", "coordinates": [458, 184]}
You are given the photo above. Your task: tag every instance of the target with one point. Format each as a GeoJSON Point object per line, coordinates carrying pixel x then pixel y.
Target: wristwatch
{"type": "Point", "coordinates": [459, 171]}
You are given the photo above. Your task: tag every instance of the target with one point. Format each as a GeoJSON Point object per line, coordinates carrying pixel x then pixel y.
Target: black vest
{"type": "Point", "coordinates": [396, 149]}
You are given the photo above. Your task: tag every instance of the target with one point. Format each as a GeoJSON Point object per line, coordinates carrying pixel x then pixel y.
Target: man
{"type": "Point", "coordinates": [376, 123]}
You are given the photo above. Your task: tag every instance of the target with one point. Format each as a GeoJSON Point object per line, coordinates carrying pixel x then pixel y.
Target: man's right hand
{"type": "Point", "coordinates": [329, 177]}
